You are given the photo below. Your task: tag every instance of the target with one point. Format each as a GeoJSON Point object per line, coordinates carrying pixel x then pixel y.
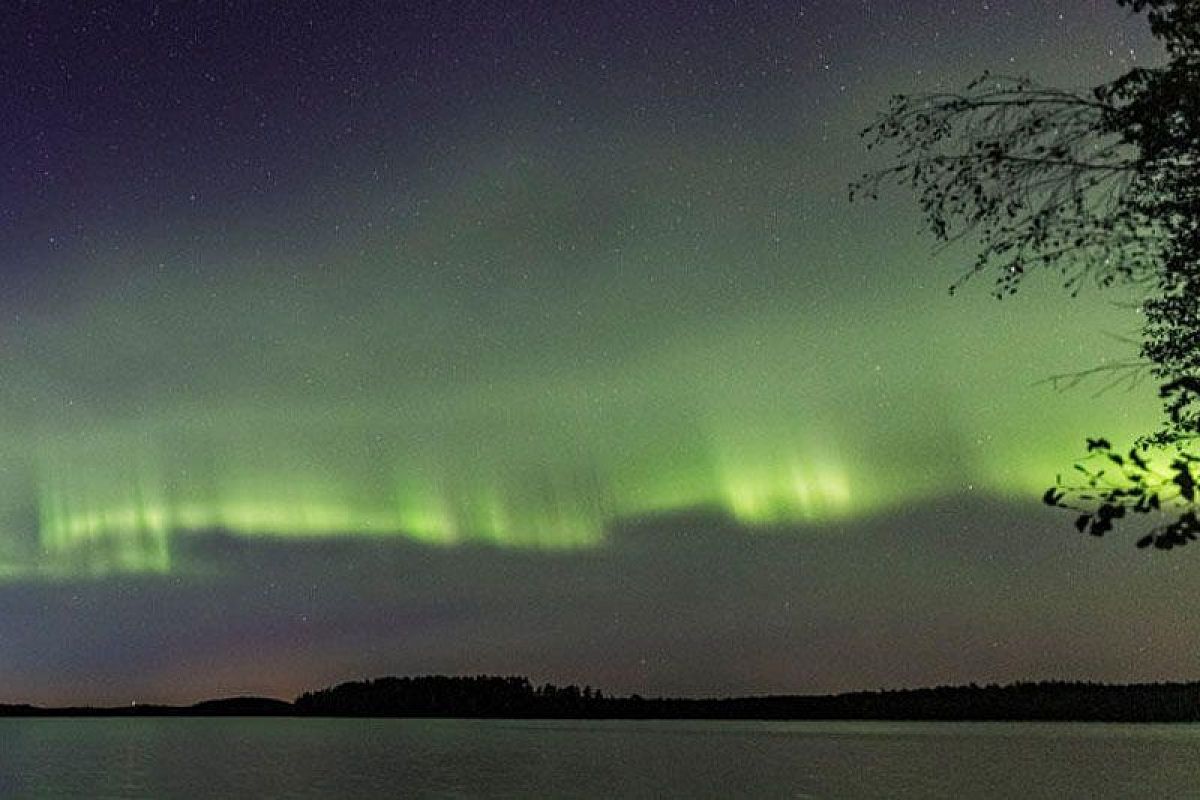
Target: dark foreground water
{"type": "Point", "coordinates": [230, 758]}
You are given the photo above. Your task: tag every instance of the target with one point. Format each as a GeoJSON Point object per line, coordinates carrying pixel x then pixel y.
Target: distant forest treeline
{"type": "Point", "coordinates": [518, 698]}
{"type": "Point", "coordinates": [486, 696]}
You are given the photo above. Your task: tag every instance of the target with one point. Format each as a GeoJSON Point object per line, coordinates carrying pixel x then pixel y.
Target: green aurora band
{"type": "Point", "coordinates": [780, 423]}
{"type": "Point", "coordinates": [531, 354]}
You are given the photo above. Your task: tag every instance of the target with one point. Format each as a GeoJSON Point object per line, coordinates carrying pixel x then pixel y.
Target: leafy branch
{"type": "Point", "coordinates": [1116, 485]}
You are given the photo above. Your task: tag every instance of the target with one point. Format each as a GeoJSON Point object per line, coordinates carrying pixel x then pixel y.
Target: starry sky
{"type": "Point", "coordinates": [361, 338]}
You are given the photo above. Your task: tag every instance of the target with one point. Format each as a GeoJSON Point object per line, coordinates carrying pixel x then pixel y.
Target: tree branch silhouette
{"type": "Point", "coordinates": [1101, 186]}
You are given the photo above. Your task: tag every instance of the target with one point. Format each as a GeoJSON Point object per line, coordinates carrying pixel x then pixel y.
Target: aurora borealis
{"type": "Point", "coordinates": [499, 337]}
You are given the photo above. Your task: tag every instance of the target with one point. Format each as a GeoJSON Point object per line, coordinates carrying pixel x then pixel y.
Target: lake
{"type": "Point", "coordinates": [301, 758]}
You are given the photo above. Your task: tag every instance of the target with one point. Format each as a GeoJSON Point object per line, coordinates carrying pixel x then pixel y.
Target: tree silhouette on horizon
{"type": "Point", "coordinates": [1101, 186]}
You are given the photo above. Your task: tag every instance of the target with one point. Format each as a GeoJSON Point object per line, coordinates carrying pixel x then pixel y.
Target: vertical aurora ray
{"type": "Point", "coordinates": [102, 518]}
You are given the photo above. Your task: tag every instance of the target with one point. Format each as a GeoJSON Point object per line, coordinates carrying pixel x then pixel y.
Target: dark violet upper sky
{"type": "Point", "coordinates": [346, 339]}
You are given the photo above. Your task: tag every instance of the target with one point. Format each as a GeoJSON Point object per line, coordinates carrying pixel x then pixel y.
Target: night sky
{"type": "Point", "coordinates": [363, 338]}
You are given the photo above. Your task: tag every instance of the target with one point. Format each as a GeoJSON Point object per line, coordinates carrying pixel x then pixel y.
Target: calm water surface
{"type": "Point", "coordinates": [228, 758]}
